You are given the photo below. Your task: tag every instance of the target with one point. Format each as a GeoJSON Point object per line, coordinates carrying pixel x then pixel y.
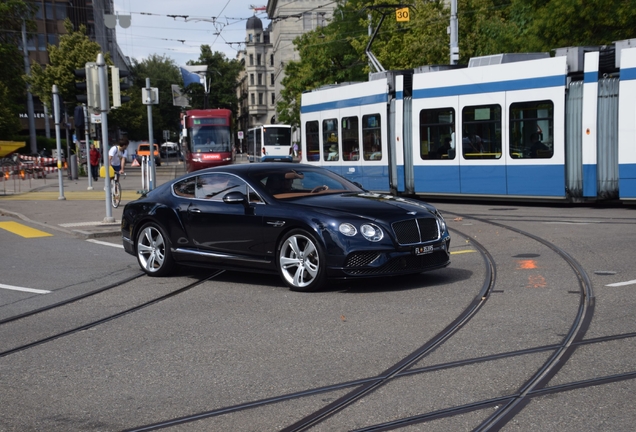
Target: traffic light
{"type": "Point", "coordinates": [88, 87]}
{"type": "Point", "coordinates": [117, 86]}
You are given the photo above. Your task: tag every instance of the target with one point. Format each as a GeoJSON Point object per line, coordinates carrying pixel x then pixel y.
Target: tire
{"type": "Point", "coordinates": [116, 194]}
{"type": "Point", "coordinates": [153, 251]}
{"type": "Point", "coordinates": [301, 261]}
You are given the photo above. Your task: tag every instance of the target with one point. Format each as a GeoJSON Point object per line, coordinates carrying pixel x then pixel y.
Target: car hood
{"type": "Point", "coordinates": [368, 205]}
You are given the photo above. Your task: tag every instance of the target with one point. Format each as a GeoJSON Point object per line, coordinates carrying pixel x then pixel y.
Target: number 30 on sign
{"type": "Point", "coordinates": [402, 15]}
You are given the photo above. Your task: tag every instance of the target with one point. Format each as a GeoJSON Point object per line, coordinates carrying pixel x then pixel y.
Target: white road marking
{"type": "Point", "coordinates": [31, 290]}
{"type": "Point", "coordinates": [631, 282]}
{"type": "Point", "coordinates": [105, 243]}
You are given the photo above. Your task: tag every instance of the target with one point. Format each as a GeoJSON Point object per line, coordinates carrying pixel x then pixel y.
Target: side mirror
{"type": "Point", "coordinates": [235, 198]}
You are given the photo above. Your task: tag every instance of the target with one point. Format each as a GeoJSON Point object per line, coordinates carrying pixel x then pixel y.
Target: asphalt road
{"type": "Point", "coordinates": [225, 343]}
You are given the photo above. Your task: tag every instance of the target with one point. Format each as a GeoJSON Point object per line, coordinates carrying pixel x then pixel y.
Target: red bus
{"type": "Point", "coordinates": [207, 138]}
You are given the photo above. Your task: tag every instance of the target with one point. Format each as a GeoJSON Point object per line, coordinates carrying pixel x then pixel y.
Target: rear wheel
{"type": "Point", "coordinates": [153, 251]}
{"type": "Point", "coordinates": [301, 261]}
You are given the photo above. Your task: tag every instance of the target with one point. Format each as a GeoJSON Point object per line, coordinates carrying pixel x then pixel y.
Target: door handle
{"type": "Point", "coordinates": [194, 210]}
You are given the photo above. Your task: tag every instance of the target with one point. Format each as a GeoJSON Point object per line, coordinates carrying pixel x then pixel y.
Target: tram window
{"type": "Point", "coordinates": [481, 132]}
{"type": "Point", "coordinates": [350, 139]}
{"type": "Point", "coordinates": [312, 138]}
{"type": "Point", "coordinates": [531, 129]}
{"type": "Point", "coordinates": [437, 127]}
{"type": "Point", "coordinates": [372, 137]}
{"type": "Point", "coordinates": [330, 141]}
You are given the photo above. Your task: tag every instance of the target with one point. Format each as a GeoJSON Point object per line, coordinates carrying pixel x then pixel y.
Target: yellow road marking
{"type": "Point", "coordinates": [23, 230]}
{"type": "Point", "coordinates": [463, 251]}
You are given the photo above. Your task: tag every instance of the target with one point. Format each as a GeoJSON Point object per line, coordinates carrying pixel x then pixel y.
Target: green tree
{"type": "Point", "coordinates": [222, 76]}
{"type": "Point", "coordinates": [73, 52]}
{"type": "Point", "coordinates": [12, 87]}
{"type": "Point", "coordinates": [132, 117]}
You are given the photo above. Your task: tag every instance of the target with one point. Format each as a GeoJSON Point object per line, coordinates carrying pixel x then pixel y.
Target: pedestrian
{"type": "Point", "coordinates": [295, 150]}
{"type": "Point", "coordinates": [94, 161]}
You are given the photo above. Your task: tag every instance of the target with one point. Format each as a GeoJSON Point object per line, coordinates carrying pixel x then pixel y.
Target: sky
{"type": "Point", "coordinates": [154, 29]}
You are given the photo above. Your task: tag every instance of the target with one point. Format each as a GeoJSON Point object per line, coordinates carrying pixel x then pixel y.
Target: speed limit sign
{"type": "Point", "coordinates": [402, 15]}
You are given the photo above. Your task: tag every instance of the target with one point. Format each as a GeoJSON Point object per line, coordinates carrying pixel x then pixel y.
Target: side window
{"type": "Point", "coordinates": [330, 140]}
{"type": "Point", "coordinates": [437, 138]}
{"type": "Point", "coordinates": [531, 129]}
{"type": "Point", "coordinates": [185, 188]}
{"type": "Point", "coordinates": [312, 138]}
{"type": "Point", "coordinates": [371, 137]}
{"type": "Point", "coordinates": [481, 132]}
{"type": "Point", "coordinates": [214, 186]}
{"type": "Point", "coordinates": [350, 139]}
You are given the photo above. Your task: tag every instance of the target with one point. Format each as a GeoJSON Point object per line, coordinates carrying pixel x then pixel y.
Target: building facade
{"type": "Point", "coordinates": [290, 19]}
{"type": "Point", "coordinates": [256, 93]}
{"type": "Point", "coordinates": [49, 20]}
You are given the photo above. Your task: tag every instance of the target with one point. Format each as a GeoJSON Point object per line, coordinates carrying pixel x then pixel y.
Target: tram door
{"type": "Point", "coordinates": [480, 144]}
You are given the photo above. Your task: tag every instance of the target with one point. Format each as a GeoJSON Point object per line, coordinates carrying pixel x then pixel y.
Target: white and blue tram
{"type": "Point", "coordinates": [518, 126]}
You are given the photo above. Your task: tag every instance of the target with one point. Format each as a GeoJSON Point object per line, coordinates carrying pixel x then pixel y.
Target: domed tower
{"type": "Point", "coordinates": [258, 96]}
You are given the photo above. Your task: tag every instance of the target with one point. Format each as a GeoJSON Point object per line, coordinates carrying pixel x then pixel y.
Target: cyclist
{"type": "Point", "coordinates": [117, 157]}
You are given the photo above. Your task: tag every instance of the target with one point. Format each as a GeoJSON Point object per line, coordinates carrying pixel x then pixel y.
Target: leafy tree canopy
{"type": "Point", "coordinates": [75, 49]}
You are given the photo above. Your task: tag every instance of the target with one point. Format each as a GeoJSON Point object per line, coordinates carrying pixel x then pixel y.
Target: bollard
{"type": "Point", "coordinates": [73, 167]}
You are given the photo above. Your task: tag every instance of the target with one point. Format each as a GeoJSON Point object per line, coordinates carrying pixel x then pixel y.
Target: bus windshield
{"type": "Point", "coordinates": [276, 136]}
{"type": "Point", "coordinates": [211, 139]}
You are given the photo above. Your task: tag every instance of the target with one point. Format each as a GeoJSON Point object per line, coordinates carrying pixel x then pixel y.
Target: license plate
{"type": "Point", "coordinates": [422, 250]}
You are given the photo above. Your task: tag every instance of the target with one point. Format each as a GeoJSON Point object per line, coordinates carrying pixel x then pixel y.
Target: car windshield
{"type": "Point", "coordinates": [292, 183]}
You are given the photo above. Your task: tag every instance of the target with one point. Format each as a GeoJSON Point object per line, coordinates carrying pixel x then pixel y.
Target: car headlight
{"type": "Point", "coordinates": [372, 232]}
{"type": "Point", "coordinates": [442, 222]}
{"type": "Point", "coordinates": [347, 229]}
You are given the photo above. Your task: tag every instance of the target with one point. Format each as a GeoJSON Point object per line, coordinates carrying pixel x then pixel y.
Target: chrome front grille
{"type": "Point", "coordinates": [414, 231]}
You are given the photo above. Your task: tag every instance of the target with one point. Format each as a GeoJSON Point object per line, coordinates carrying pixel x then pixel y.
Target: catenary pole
{"type": "Point", "coordinates": [151, 140]}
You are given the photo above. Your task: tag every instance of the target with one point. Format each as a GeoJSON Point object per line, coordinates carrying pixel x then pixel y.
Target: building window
{"type": "Point", "coordinates": [60, 11]}
{"type": "Point", "coordinates": [39, 14]}
{"type": "Point", "coordinates": [271, 59]}
{"type": "Point", "coordinates": [48, 11]}
{"type": "Point", "coordinates": [251, 79]}
{"type": "Point", "coordinates": [249, 37]}
{"type": "Point", "coordinates": [251, 59]}
{"type": "Point", "coordinates": [307, 21]}
{"type": "Point", "coordinates": [52, 39]}
{"type": "Point", "coordinates": [273, 98]}
{"type": "Point", "coordinates": [41, 42]}
{"type": "Point", "coordinates": [258, 59]}
{"type": "Point", "coordinates": [258, 37]}
{"type": "Point", "coordinates": [320, 19]}
{"type": "Point", "coordinates": [260, 79]}
{"type": "Point", "coordinates": [271, 79]}
{"type": "Point", "coordinates": [253, 99]}
{"type": "Point", "coordinates": [260, 98]}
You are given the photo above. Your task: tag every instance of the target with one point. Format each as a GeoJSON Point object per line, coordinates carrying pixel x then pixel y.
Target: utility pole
{"type": "Point", "coordinates": [103, 109]}
{"type": "Point", "coordinates": [56, 113]}
{"type": "Point", "coordinates": [454, 34]}
{"type": "Point", "coordinates": [150, 100]}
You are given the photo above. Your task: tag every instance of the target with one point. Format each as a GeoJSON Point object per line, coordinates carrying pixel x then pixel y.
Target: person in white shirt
{"type": "Point", "coordinates": [117, 157]}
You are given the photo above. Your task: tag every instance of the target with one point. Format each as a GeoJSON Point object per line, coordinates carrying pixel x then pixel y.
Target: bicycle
{"type": "Point", "coordinates": [115, 190]}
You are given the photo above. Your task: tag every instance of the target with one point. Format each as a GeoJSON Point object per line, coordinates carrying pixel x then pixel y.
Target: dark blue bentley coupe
{"type": "Point", "coordinates": [303, 222]}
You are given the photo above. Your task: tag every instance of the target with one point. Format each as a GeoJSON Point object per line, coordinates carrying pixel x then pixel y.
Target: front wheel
{"type": "Point", "coordinates": [116, 193]}
{"type": "Point", "coordinates": [153, 251]}
{"type": "Point", "coordinates": [301, 261]}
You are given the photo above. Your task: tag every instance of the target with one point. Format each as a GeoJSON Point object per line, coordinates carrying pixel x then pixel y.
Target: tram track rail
{"type": "Point", "coordinates": [101, 320]}
{"type": "Point", "coordinates": [506, 406]}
